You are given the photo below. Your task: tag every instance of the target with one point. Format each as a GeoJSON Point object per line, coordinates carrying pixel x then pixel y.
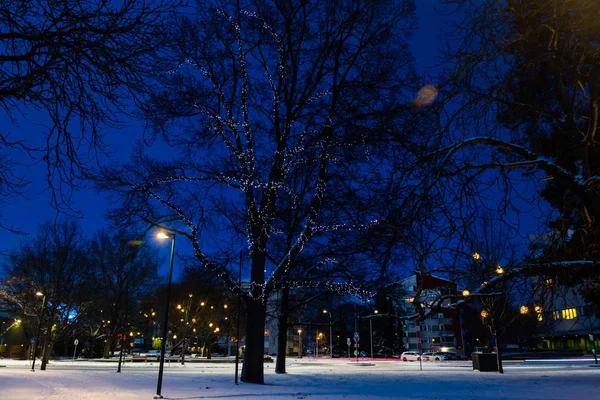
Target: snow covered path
{"type": "Point", "coordinates": [305, 380]}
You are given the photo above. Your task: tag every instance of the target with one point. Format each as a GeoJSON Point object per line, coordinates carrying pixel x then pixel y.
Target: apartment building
{"type": "Point", "coordinates": [440, 331]}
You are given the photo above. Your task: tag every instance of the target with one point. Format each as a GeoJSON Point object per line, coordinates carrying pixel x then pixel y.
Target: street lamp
{"type": "Point", "coordinates": [165, 235]}
{"type": "Point", "coordinates": [37, 336]}
{"type": "Point", "coordinates": [300, 342]}
{"type": "Point", "coordinates": [371, 329]}
{"type": "Point", "coordinates": [317, 344]}
{"type": "Point", "coordinates": [330, 333]}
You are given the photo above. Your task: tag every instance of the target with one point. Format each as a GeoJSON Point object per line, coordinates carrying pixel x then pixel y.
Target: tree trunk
{"type": "Point", "coordinates": [282, 325]}
{"type": "Point", "coordinates": [47, 345]}
{"type": "Point", "coordinates": [252, 369]}
{"type": "Point", "coordinates": [107, 347]}
{"type": "Point", "coordinates": [208, 351]}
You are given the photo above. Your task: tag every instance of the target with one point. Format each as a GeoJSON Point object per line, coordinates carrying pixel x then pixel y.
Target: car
{"type": "Point", "coordinates": [150, 353]}
{"type": "Point", "coordinates": [439, 356]}
{"type": "Point", "coordinates": [450, 355]}
{"type": "Point", "coordinates": [434, 356]}
{"type": "Point", "coordinates": [413, 356]}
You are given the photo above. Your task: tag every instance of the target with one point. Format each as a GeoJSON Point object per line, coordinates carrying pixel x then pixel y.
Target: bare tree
{"type": "Point", "coordinates": [54, 263]}
{"type": "Point", "coordinates": [263, 91]}
{"type": "Point", "coordinates": [123, 271]}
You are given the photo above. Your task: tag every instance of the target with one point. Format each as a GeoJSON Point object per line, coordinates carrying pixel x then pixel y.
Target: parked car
{"type": "Point", "coordinates": [413, 356]}
{"type": "Point", "coordinates": [434, 356]}
{"type": "Point", "coordinates": [454, 356]}
{"type": "Point", "coordinates": [439, 356]}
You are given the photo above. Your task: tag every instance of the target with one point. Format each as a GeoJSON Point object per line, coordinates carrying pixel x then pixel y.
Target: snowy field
{"type": "Point", "coordinates": [306, 380]}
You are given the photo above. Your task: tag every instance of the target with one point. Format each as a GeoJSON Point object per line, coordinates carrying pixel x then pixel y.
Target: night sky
{"type": "Point", "coordinates": [26, 215]}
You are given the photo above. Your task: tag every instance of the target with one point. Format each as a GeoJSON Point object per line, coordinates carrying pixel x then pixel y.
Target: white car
{"type": "Point", "coordinates": [435, 356]}
{"type": "Point", "coordinates": [413, 356]}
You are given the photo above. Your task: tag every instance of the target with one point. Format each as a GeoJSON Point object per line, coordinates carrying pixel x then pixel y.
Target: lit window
{"type": "Point", "coordinates": [539, 317]}
{"type": "Point", "coordinates": [555, 315]}
{"type": "Point", "coordinates": [548, 282]}
{"type": "Point", "coordinates": [410, 299]}
{"type": "Point", "coordinates": [569, 313]}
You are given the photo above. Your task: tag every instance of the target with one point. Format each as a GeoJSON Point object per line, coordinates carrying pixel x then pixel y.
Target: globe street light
{"type": "Point", "coordinates": [330, 333]}
{"type": "Point", "coordinates": [37, 336]}
{"type": "Point", "coordinates": [165, 235]}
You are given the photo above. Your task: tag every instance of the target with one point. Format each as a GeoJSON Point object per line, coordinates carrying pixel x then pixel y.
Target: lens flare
{"type": "Point", "coordinates": [425, 96]}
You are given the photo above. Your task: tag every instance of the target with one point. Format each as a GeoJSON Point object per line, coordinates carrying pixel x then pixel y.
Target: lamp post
{"type": "Point", "coordinates": [300, 342]}
{"type": "Point", "coordinates": [330, 334]}
{"type": "Point", "coordinates": [37, 336]}
{"type": "Point", "coordinates": [371, 329]}
{"type": "Point", "coordinates": [165, 235]}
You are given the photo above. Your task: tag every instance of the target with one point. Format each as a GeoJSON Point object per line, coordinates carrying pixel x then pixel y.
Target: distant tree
{"type": "Point", "coordinates": [81, 64]}
{"type": "Point", "coordinates": [124, 270]}
{"type": "Point", "coordinates": [55, 262]}
{"type": "Point", "coordinates": [260, 92]}
{"type": "Point", "coordinates": [204, 311]}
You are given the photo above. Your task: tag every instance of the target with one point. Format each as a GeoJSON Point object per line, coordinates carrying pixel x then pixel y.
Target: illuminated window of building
{"type": "Point", "coordinates": [569, 313]}
{"type": "Point", "coordinates": [539, 317]}
{"type": "Point", "coordinates": [548, 282]}
{"type": "Point", "coordinates": [555, 315]}
{"type": "Point", "coordinates": [410, 299]}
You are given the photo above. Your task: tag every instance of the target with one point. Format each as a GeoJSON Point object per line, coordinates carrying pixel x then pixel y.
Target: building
{"type": "Point", "coordinates": [440, 331]}
{"type": "Point", "coordinates": [565, 320]}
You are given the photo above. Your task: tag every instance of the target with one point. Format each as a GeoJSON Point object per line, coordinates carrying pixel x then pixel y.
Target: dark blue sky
{"type": "Point", "coordinates": [26, 215]}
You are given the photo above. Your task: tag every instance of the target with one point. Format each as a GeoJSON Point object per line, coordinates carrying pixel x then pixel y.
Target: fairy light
{"type": "Point", "coordinates": [249, 179]}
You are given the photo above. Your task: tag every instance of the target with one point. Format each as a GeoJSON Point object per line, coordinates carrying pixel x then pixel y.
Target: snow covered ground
{"type": "Point", "coordinates": [306, 380]}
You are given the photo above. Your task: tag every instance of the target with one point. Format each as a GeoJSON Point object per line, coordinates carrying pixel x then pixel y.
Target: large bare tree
{"type": "Point", "coordinates": [273, 107]}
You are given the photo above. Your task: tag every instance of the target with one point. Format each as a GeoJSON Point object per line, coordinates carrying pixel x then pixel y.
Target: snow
{"type": "Point", "coordinates": [306, 379]}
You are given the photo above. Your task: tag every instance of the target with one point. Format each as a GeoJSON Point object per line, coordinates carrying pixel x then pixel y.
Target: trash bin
{"type": "Point", "coordinates": [485, 362]}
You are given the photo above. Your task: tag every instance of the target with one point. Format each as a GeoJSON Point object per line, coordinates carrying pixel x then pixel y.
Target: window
{"type": "Point", "coordinates": [548, 282]}
{"type": "Point", "coordinates": [586, 311]}
{"type": "Point", "coordinates": [540, 317]}
{"type": "Point", "coordinates": [569, 313]}
{"type": "Point", "coordinates": [555, 315]}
